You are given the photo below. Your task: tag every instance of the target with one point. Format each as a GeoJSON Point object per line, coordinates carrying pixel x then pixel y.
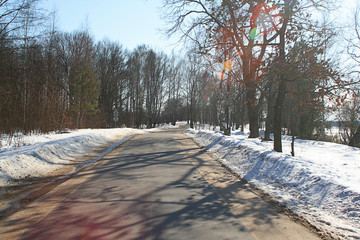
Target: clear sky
{"type": "Point", "coordinates": [130, 22]}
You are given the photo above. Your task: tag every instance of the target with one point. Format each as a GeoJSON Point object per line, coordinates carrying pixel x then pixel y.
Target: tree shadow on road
{"type": "Point", "coordinates": [120, 201]}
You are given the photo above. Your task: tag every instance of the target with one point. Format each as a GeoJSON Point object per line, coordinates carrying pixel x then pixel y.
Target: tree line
{"type": "Point", "coordinates": [263, 63]}
{"type": "Point", "coordinates": [66, 80]}
{"type": "Point", "coordinates": [53, 80]}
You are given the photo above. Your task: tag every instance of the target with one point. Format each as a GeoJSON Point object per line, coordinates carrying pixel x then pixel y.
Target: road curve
{"type": "Point", "coordinates": [156, 186]}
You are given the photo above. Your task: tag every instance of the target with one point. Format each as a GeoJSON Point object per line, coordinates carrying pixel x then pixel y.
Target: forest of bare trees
{"type": "Point", "coordinates": [274, 57]}
{"type": "Point", "coordinates": [52, 80]}
{"type": "Point", "coordinates": [263, 63]}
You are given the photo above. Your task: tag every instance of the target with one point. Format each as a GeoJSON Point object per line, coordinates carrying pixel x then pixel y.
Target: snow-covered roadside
{"type": "Point", "coordinates": [321, 184]}
{"type": "Point", "coordinates": [42, 155]}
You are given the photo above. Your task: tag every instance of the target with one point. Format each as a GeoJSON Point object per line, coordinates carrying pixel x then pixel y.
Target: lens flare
{"type": "Point", "coordinates": [253, 33]}
{"type": "Point", "coordinates": [228, 65]}
{"type": "Point", "coordinates": [221, 75]}
{"type": "Point", "coordinates": [264, 19]}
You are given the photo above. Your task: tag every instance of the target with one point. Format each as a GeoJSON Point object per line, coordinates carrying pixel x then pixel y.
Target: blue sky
{"type": "Point", "coordinates": [130, 22]}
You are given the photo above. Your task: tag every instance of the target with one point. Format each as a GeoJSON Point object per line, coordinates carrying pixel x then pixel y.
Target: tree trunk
{"type": "Point", "coordinates": [191, 117]}
{"type": "Point", "coordinates": [293, 145]}
{"type": "Point", "coordinates": [282, 84]}
{"type": "Point", "coordinates": [267, 127]}
{"type": "Point", "coordinates": [253, 123]}
{"type": "Point", "coordinates": [355, 139]}
{"type": "Point", "coordinates": [252, 112]}
{"type": "Point", "coordinates": [278, 114]}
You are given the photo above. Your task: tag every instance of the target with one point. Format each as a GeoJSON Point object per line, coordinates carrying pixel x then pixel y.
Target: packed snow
{"type": "Point", "coordinates": [321, 183]}
{"type": "Point", "coordinates": [40, 155]}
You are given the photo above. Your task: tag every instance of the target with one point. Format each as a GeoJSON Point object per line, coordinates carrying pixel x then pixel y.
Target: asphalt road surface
{"type": "Point", "coordinates": [156, 186]}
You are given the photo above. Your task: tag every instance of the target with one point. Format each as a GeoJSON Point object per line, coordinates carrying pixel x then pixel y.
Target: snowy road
{"type": "Point", "coordinates": [156, 186]}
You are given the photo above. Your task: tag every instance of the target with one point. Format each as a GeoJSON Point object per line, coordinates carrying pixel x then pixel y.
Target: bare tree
{"type": "Point", "coordinates": [173, 90]}
{"type": "Point", "coordinates": [240, 31]}
{"type": "Point", "coordinates": [77, 62]}
{"type": "Point", "coordinates": [192, 88]}
{"type": "Point", "coordinates": [135, 92]}
{"type": "Point", "coordinates": [349, 115]}
{"type": "Point", "coordinates": [110, 59]}
{"type": "Point", "coordinates": [155, 74]}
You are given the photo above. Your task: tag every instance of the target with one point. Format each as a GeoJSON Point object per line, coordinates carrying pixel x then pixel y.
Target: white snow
{"type": "Point", "coordinates": [41, 155]}
{"type": "Point", "coordinates": [321, 183]}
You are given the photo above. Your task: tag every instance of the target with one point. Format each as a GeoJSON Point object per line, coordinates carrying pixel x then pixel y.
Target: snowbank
{"type": "Point", "coordinates": [321, 184]}
{"type": "Point", "coordinates": [41, 155]}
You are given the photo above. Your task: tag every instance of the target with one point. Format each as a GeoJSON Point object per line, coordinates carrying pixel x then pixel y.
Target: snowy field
{"type": "Point", "coordinates": [42, 155]}
{"type": "Point", "coordinates": [321, 183]}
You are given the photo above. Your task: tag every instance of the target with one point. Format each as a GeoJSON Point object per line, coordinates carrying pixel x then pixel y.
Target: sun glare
{"type": "Point", "coordinates": [265, 19]}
